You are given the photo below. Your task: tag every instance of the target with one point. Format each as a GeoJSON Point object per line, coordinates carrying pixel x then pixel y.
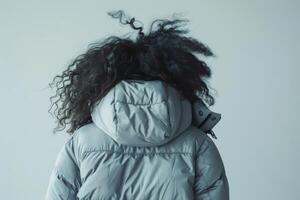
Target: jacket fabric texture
{"type": "Point", "coordinates": [145, 142]}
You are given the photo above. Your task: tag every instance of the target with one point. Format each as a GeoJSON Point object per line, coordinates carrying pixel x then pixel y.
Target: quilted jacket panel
{"type": "Point", "coordinates": [146, 142]}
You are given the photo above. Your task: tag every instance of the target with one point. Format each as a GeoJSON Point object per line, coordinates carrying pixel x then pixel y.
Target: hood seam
{"type": "Point", "coordinates": [115, 113]}
{"type": "Point", "coordinates": [168, 110]}
{"type": "Point", "coordinates": [161, 124]}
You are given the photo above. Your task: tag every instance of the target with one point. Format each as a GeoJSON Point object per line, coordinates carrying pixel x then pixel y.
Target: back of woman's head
{"type": "Point", "coordinates": [164, 53]}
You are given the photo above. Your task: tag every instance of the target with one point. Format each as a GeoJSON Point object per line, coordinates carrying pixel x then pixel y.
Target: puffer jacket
{"type": "Point", "coordinates": [146, 142]}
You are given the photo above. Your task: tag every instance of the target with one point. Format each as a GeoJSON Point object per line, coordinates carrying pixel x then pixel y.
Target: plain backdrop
{"type": "Point", "coordinates": [255, 76]}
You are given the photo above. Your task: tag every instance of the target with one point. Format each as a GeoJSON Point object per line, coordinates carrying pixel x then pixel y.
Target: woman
{"type": "Point", "coordinates": [138, 121]}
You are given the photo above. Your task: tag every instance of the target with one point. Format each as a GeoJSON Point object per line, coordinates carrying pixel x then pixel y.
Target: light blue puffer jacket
{"type": "Point", "coordinates": [146, 142]}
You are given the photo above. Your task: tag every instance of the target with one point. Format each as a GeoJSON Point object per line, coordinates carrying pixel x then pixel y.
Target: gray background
{"type": "Point", "coordinates": [255, 78]}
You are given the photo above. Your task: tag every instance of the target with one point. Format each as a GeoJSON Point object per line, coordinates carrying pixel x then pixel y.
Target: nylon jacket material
{"type": "Point", "coordinates": [146, 141]}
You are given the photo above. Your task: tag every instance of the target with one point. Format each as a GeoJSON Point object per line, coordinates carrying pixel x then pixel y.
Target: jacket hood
{"type": "Point", "coordinates": [147, 113]}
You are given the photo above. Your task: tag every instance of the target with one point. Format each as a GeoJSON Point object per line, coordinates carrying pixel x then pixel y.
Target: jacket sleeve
{"type": "Point", "coordinates": [64, 180]}
{"type": "Point", "coordinates": [210, 178]}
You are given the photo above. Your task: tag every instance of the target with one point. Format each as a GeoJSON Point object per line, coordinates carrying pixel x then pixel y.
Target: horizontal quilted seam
{"type": "Point", "coordinates": [130, 153]}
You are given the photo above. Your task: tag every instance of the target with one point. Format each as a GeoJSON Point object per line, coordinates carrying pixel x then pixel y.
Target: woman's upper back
{"type": "Point", "coordinates": [141, 145]}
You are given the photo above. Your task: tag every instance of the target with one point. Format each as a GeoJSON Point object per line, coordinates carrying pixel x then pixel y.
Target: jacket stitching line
{"type": "Point", "coordinates": [102, 150]}
{"type": "Point", "coordinates": [168, 107]}
{"type": "Point", "coordinates": [116, 117]}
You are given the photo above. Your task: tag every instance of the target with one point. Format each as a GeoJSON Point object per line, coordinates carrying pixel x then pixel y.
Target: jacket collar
{"type": "Point", "coordinates": [203, 118]}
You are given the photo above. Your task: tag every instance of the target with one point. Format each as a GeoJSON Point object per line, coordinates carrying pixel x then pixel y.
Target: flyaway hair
{"type": "Point", "coordinates": [164, 53]}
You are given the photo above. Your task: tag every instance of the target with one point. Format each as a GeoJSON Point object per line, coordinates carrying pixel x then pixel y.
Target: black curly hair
{"type": "Point", "coordinates": [164, 53]}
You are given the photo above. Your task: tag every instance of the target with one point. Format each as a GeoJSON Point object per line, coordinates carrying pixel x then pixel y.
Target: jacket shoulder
{"type": "Point", "coordinates": [203, 143]}
{"type": "Point", "coordinates": [90, 137]}
{"type": "Point", "coordinates": [189, 140]}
